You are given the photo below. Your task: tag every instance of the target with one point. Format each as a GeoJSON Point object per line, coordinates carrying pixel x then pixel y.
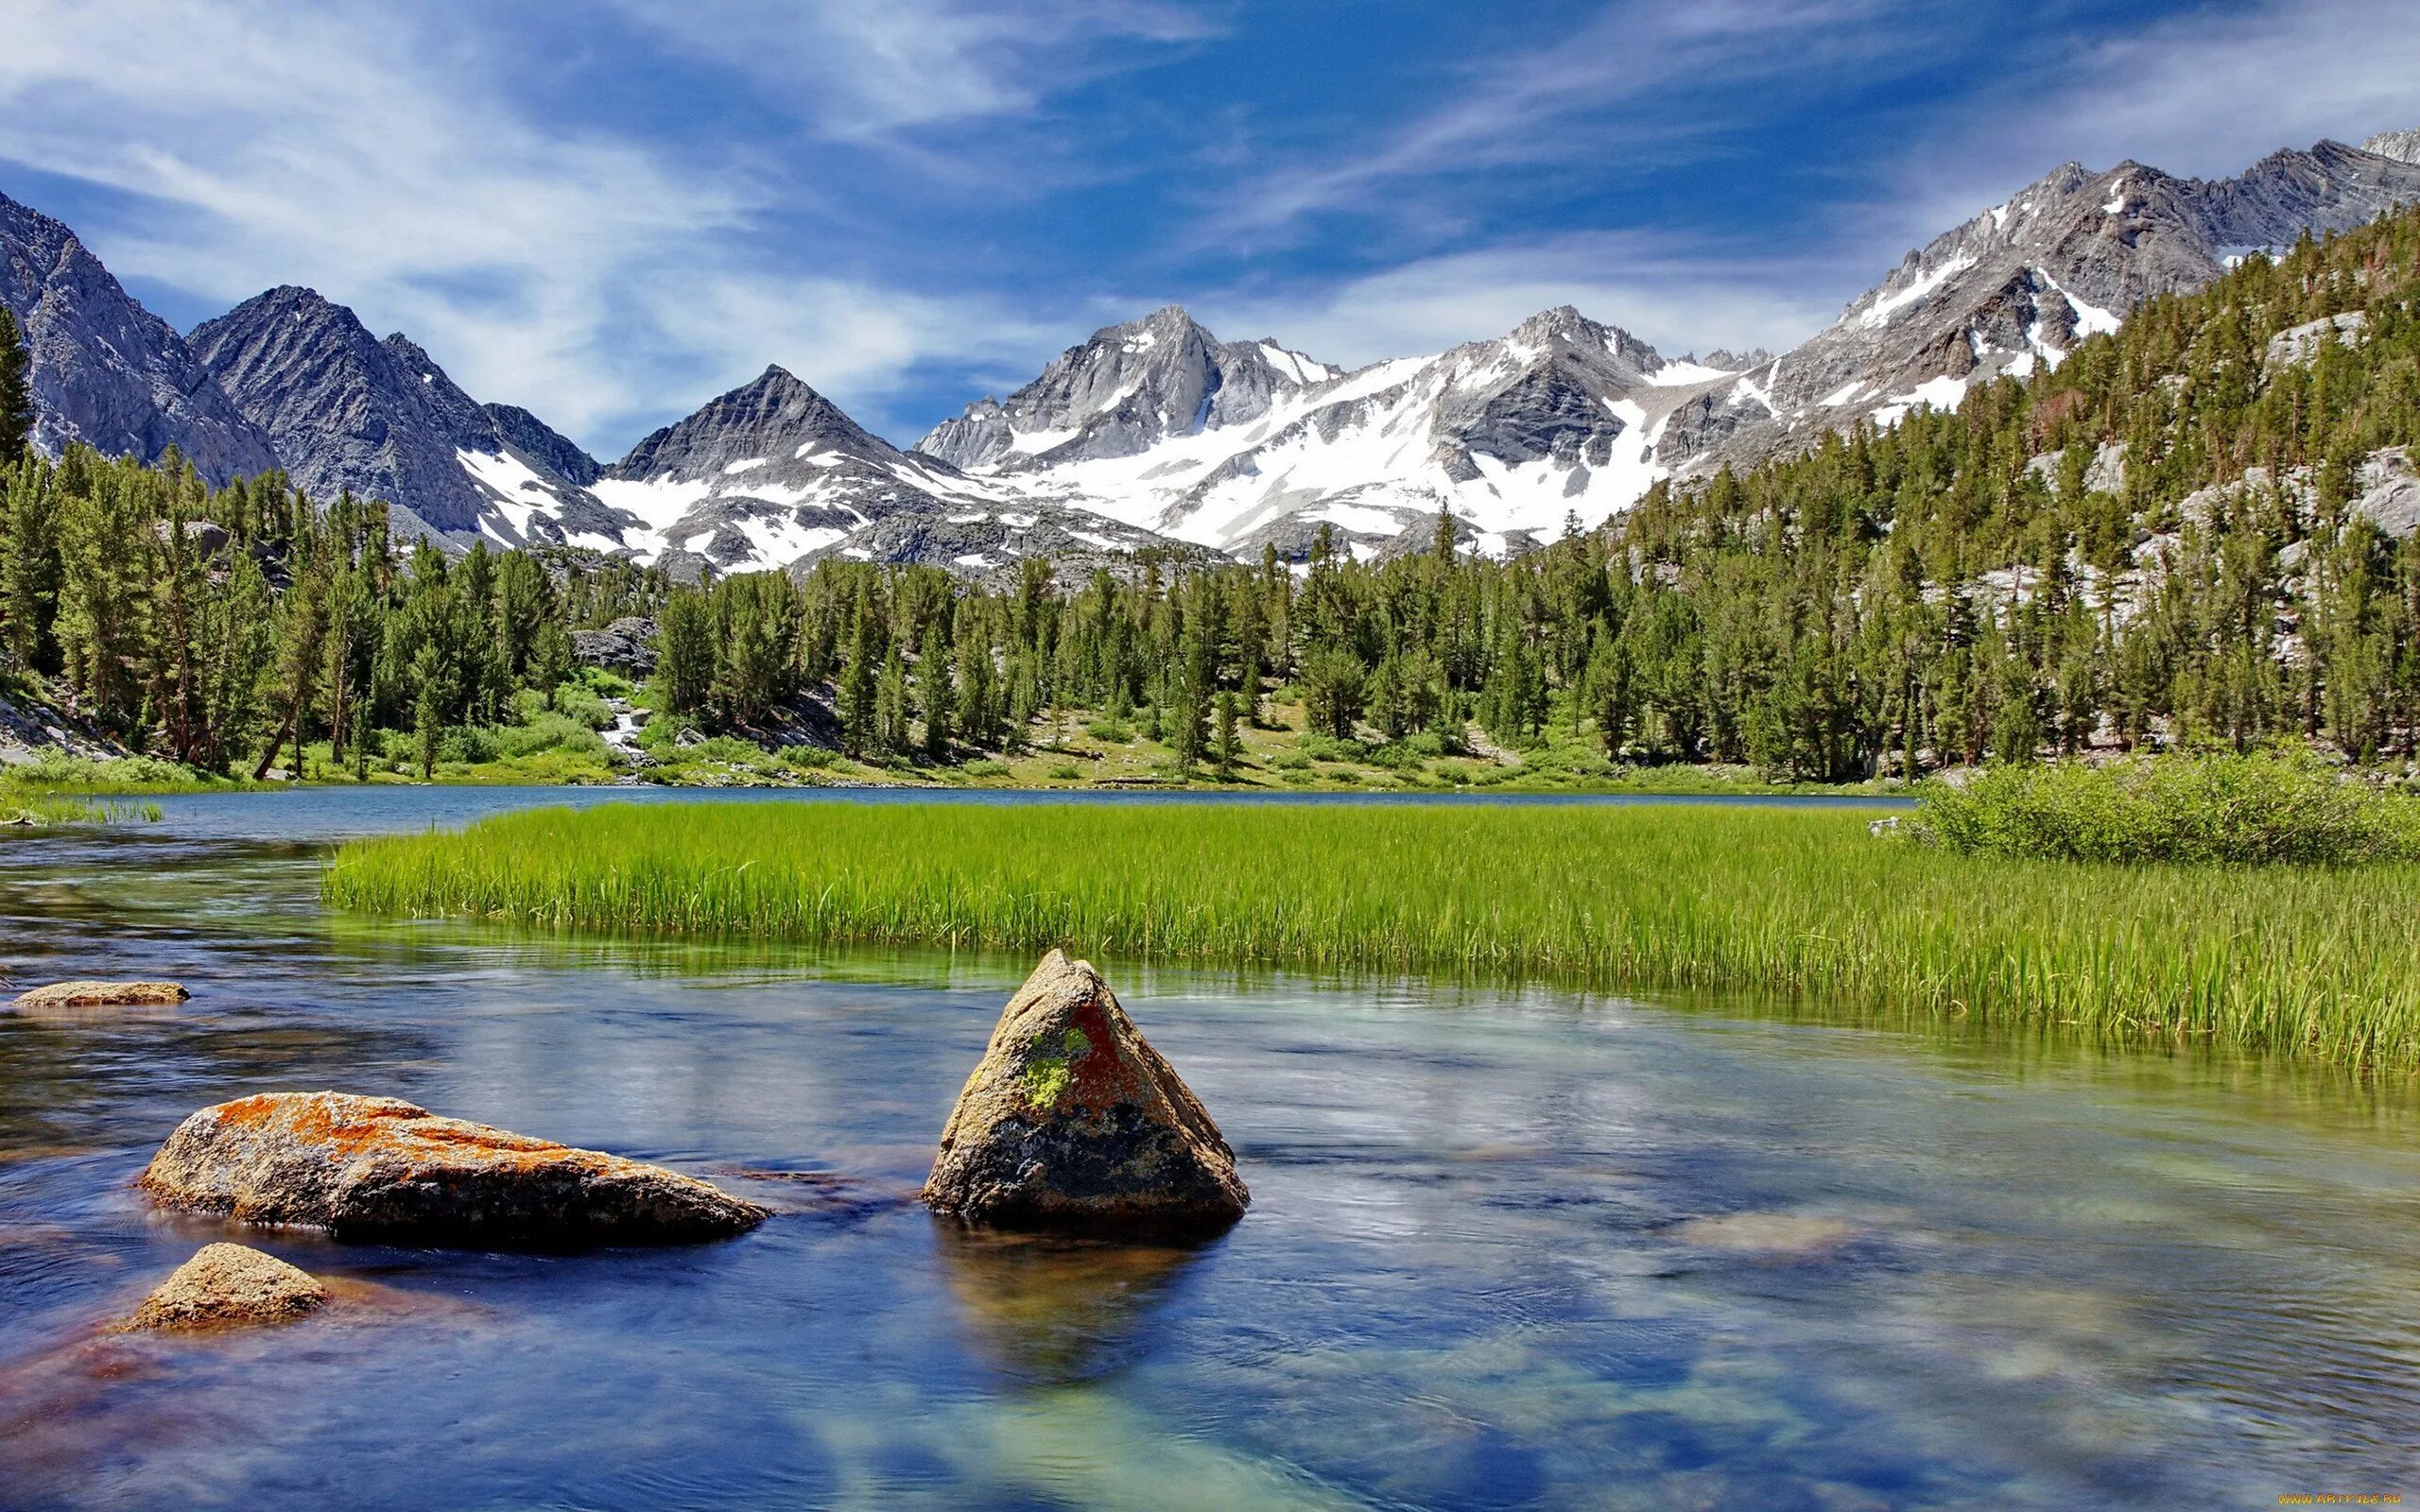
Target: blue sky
{"type": "Point", "coordinates": [611, 210]}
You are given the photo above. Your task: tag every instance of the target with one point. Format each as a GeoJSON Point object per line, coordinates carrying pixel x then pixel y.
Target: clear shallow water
{"type": "Point", "coordinates": [1506, 1249]}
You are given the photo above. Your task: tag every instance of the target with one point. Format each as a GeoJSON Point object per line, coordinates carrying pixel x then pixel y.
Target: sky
{"type": "Point", "coordinates": [610, 210]}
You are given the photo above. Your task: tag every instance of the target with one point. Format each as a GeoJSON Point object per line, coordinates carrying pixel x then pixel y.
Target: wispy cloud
{"type": "Point", "coordinates": [1528, 108]}
{"type": "Point", "coordinates": [1676, 296]}
{"type": "Point", "coordinates": [857, 70]}
{"type": "Point", "coordinates": [389, 165]}
{"type": "Point", "coordinates": [2206, 92]}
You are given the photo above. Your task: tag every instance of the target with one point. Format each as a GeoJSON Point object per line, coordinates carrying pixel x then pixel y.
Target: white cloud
{"type": "Point", "coordinates": [595, 281]}
{"type": "Point", "coordinates": [2205, 94]}
{"type": "Point", "coordinates": [861, 68]}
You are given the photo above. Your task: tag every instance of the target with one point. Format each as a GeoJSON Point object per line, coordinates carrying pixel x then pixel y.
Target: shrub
{"type": "Point", "coordinates": [809, 758]}
{"type": "Point", "coordinates": [576, 701]}
{"type": "Point", "coordinates": [2265, 808]}
{"type": "Point", "coordinates": [551, 732]}
{"type": "Point", "coordinates": [1109, 731]}
{"type": "Point", "coordinates": [1321, 748]}
{"type": "Point", "coordinates": [1065, 772]}
{"type": "Point", "coordinates": [1291, 760]}
{"type": "Point", "coordinates": [469, 744]}
{"type": "Point", "coordinates": [985, 767]}
{"type": "Point", "coordinates": [603, 683]}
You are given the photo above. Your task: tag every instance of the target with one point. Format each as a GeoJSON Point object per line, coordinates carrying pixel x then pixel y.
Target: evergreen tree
{"type": "Point", "coordinates": [17, 412]}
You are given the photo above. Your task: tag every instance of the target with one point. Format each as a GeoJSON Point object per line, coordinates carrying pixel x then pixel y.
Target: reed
{"type": "Point", "coordinates": [1804, 902]}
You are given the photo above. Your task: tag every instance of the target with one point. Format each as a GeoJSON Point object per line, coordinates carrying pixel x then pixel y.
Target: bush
{"type": "Point", "coordinates": [603, 683]}
{"type": "Point", "coordinates": [1109, 731]}
{"type": "Point", "coordinates": [55, 772]}
{"type": "Point", "coordinates": [985, 767]}
{"type": "Point", "coordinates": [1291, 760]}
{"type": "Point", "coordinates": [576, 701]}
{"type": "Point", "coordinates": [551, 732]}
{"type": "Point", "coordinates": [2260, 809]}
{"type": "Point", "coordinates": [809, 758]}
{"type": "Point", "coordinates": [1065, 772]}
{"type": "Point", "coordinates": [469, 744]}
{"type": "Point", "coordinates": [1321, 748]}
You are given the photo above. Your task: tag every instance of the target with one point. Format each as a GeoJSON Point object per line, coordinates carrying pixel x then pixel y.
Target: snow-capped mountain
{"type": "Point", "coordinates": [1156, 432]}
{"type": "Point", "coordinates": [773, 474]}
{"type": "Point", "coordinates": [346, 410]}
{"type": "Point", "coordinates": [1237, 445]}
{"type": "Point", "coordinates": [1124, 391]}
{"type": "Point", "coordinates": [106, 371]}
{"type": "Point", "coordinates": [1512, 435]}
{"type": "Point", "coordinates": [2022, 282]}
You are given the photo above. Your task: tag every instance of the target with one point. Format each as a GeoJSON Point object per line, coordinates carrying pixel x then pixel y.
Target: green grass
{"type": "Point", "coordinates": [1802, 903]}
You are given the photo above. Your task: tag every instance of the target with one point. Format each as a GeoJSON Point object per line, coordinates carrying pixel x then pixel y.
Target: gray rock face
{"type": "Point", "coordinates": [383, 419]}
{"type": "Point", "coordinates": [2391, 491]}
{"type": "Point", "coordinates": [627, 645]}
{"type": "Point", "coordinates": [381, 1168]}
{"type": "Point", "coordinates": [106, 371]}
{"type": "Point", "coordinates": [541, 442]}
{"type": "Point", "coordinates": [1128, 388]}
{"type": "Point", "coordinates": [2403, 146]}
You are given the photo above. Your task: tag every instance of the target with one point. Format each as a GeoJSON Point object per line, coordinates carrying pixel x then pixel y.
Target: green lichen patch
{"type": "Point", "coordinates": [1046, 1078]}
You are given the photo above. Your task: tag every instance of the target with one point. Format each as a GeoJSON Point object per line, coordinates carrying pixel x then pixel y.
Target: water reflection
{"type": "Point", "coordinates": [1507, 1248]}
{"type": "Point", "coordinates": [1053, 1311]}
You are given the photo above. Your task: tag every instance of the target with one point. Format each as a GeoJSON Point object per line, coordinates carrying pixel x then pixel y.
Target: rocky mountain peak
{"type": "Point", "coordinates": [773, 416]}
{"type": "Point", "coordinates": [106, 371]}
{"type": "Point", "coordinates": [1125, 389]}
{"type": "Point", "coordinates": [1566, 325]}
{"type": "Point", "coordinates": [381, 419]}
{"type": "Point", "coordinates": [2403, 146]}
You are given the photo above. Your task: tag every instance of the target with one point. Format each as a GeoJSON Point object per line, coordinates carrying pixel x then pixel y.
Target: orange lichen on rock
{"type": "Point", "coordinates": [1073, 1119]}
{"type": "Point", "coordinates": [379, 1167]}
{"type": "Point", "coordinates": [103, 995]}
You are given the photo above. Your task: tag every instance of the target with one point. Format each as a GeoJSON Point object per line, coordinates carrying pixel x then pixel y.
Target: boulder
{"type": "Point", "coordinates": [103, 995]}
{"type": "Point", "coordinates": [382, 1168]}
{"type": "Point", "coordinates": [1073, 1121]}
{"type": "Point", "coordinates": [627, 645]}
{"type": "Point", "coordinates": [226, 1286]}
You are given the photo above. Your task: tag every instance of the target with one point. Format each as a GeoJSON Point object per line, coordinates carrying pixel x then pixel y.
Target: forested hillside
{"type": "Point", "coordinates": [2199, 528]}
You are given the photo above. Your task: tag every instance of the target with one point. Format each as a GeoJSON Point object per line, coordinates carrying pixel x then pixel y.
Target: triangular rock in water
{"type": "Point", "coordinates": [225, 1286]}
{"type": "Point", "coordinates": [1072, 1120]}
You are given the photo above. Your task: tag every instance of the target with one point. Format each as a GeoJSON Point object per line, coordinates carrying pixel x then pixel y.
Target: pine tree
{"type": "Point", "coordinates": [684, 649]}
{"type": "Point", "coordinates": [890, 705]}
{"type": "Point", "coordinates": [933, 695]}
{"type": "Point", "coordinates": [17, 411]}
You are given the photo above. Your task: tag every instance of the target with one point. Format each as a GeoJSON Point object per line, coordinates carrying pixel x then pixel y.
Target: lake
{"type": "Point", "coordinates": [1507, 1249]}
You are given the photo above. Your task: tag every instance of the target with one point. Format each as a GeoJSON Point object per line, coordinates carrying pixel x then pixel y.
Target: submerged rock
{"type": "Point", "coordinates": [226, 1287]}
{"type": "Point", "coordinates": [379, 1167]}
{"type": "Point", "coordinates": [103, 995]}
{"type": "Point", "coordinates": [1072, 1120]}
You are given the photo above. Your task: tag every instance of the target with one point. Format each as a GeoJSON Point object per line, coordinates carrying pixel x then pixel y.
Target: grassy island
{"type": "Point", "coordinates": [2311, 960]}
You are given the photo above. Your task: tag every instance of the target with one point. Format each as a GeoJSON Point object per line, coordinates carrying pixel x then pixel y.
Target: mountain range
{"type": "Point", "coordinates": [1155, 432]}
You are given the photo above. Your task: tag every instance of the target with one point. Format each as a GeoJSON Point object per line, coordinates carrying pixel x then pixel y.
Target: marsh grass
{"type": "Point", "coordinates": [1797, 903]}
